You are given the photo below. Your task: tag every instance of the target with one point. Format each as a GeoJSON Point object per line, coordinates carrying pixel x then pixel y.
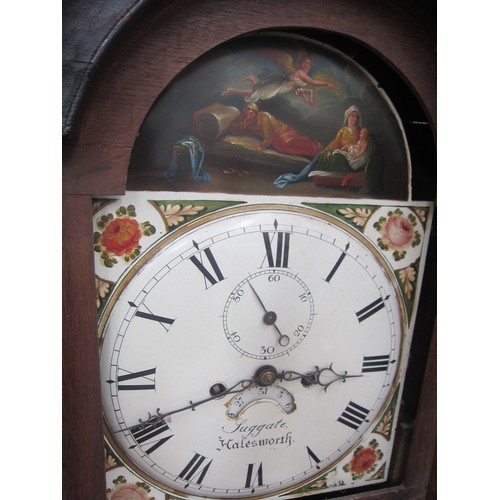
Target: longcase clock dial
{"type": "Point", "coordinates": [249, 351]}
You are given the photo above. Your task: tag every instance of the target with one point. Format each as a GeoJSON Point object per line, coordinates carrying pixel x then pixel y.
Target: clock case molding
{"type": "Point", "coordinates": [111, 81]}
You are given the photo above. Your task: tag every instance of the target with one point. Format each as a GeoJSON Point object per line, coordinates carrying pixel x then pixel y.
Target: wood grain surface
{"type": "Point", "coordinates": [135, 69]}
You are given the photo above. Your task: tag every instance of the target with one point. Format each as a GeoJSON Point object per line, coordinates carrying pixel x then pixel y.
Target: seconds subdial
{"type": "Point", "coordinates": [268, 314]}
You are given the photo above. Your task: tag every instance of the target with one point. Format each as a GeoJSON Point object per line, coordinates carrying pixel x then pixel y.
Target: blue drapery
{"type": "Point", "coordinates": [285, 179]}
{"type": "Point", "coordinates": [196, 154]}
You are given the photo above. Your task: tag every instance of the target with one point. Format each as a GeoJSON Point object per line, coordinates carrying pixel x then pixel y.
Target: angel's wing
{"type": "Point", "coordinates": [279, 57]}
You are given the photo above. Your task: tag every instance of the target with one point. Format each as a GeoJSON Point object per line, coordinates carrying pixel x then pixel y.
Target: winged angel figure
{"type": "Point", "coordinates": [267, 86]}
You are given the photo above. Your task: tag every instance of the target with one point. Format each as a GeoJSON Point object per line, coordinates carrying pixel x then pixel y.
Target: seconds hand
{"type": "Point", "coordinates": [270, 319]}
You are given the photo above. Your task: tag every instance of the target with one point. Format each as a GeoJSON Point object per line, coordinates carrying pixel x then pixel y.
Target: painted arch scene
{"type": "Point", "coordinates": [273, 114]}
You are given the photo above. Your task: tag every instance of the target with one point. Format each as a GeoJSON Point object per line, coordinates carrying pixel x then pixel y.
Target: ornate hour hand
{"type": "Point", "coordinates": [270, 318]}
{"type": "Point", "coordinates": [324, 377]}
{"type": "Point", "coordinates": [265, 376]}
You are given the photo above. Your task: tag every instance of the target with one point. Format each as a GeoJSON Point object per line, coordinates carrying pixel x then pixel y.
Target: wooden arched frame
{"type": "Point", "coordinates": [143, 61]}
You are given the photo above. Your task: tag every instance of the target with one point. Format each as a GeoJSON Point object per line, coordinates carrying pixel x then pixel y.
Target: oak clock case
{"type": "Point", "coordinates": [272, 371]}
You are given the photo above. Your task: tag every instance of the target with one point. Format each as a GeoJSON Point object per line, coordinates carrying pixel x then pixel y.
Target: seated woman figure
{"type": "Point", "coordinates": [355, 154]}
{"type": "Point", "coordinates": [349, 150]}
{"type": "Point", "coordinates": [347, 153]}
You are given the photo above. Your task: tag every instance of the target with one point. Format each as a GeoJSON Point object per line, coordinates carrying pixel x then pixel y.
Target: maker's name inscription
{"type": "Point", "coordinates": [242, 435]}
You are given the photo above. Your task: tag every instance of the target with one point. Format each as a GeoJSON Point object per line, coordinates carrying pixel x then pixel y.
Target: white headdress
{"type": "Point", "coordinates": [349, 111]}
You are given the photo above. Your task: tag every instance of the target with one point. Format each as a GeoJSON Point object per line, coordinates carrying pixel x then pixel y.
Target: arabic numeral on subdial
{"type": "Point", "coordinates": [298, 331]}
{"type": "Point", "coordinates": [237, 295]}
{"type": "Point", "coordinates": [274, 278]}
{"type": "Point", "coordinates": [266, 350]}
{"type": "Point", "coordinates": [234, 337]}
{"type": "Point", "coordinates": [268, 313]}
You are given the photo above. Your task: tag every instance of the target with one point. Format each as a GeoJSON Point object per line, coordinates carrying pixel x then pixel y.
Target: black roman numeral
{"type": "Point", "coordinates": [142, 376]}
{"type": "Point", "coordinates": [195, 470]}
{"type": "Point", "coordinates": [353, 416]}
{"type": "Point", "coordinates": [149, 431]}
{"type": "Point", "coordinates": [313, 457]}
{"type": "Point", "coordinates": [208, 275]}
{"type": "Point", "coordinates": [337, 264]}
{"type": "Point", "coordinates": [279, 256]}
{"type": "Point", "coordinates": [252, 478]}
{"type": "Point", "coordinates": [375, 363]}
{"type": "Point", "coordinates": [152, 317]}
{"type": "Point", "coordinates": [371, 309]}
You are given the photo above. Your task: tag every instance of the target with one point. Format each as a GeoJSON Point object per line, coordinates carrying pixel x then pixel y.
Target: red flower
{"type": "Point", "coordinates": [398, 232]}
{"type": "Point", "coordinates": [363, 460]}
{"type": "Point", "coordinates": [121, 236]}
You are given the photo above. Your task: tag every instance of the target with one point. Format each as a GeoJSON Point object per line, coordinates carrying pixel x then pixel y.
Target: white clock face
{"type": "Point", "coordinates": [249, 353]}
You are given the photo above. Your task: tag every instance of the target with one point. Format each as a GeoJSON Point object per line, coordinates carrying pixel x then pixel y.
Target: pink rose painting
{"type": "Point", "coordinates": [397, 233]}
{"type": "Point", "coordinates": [128, 492]}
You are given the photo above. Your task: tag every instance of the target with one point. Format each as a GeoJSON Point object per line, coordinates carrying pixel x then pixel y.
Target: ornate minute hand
{"type": "Point", "coordinates": [266, 375]}
{"type": "Point", "coordinates": [157, 418]}
{"type": "Point", "coordinates": [324, 377]}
